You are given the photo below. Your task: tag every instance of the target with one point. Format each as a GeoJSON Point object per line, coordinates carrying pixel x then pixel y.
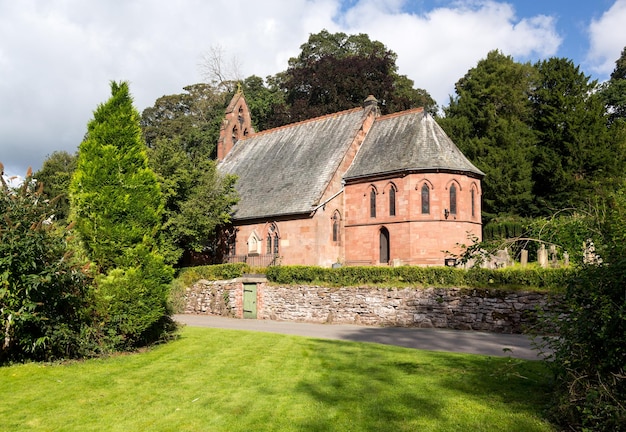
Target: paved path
{"type": "Point", "coordinates": [493, 344]}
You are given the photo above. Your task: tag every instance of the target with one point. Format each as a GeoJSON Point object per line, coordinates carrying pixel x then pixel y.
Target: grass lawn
{"type": "Point", "coordinates": [224, 380]}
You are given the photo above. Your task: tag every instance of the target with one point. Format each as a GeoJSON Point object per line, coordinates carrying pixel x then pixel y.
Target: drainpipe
{"type": "Point", "coordinates": [326, 202]}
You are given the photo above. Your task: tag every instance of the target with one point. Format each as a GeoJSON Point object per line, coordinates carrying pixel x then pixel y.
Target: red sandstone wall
{"type": "Point", "coordinates": [415, 238]}
{"type": "Point", "coordinates": [306, 241]}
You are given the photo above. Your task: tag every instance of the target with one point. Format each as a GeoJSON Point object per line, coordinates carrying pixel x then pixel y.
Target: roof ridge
{"type": "Point", "coordinates": [400, 113]}
{"type": "Point", "coordinates": [301, 122]}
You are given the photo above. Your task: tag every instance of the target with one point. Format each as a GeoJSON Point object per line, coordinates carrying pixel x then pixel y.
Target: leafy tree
{"type": "Point", "coordinates": [114, 194]}
{"type": "Point", "coordinates": [335, 72]}
{"type": "Point", "coordinates": [197, 197]}
{"type": "Point", "coordinates": [577, 158]}
{"type": "Point", "coordinates": [55, 175]}
{"type": "Point", "coordinates": [267, 105]}
{"type": "Point", "coordinates": [194, 117]}
{"type": "Point", "coordinates": [43, 292]}
{"type": "Point", "coordinates": [490, 120]}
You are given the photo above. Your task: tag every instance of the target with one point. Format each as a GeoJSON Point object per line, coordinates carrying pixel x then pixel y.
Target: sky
{"type": "Point", "coordinates": [58, 57]}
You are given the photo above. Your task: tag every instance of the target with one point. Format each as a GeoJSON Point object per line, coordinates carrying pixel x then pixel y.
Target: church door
{"type": "Point", "coordinates": [384, 245]}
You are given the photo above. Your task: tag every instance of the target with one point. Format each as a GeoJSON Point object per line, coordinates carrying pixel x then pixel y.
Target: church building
{"type": "Point", "coordinates": [353, 187]}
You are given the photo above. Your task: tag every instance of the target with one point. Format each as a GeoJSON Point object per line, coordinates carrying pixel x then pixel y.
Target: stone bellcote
{"type": "Point", "coordinates": [236, 125]}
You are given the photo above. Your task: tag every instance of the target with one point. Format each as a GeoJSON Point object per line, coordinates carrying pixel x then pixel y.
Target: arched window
{"type": "Point", "coordinates": [373, 202]}
{"type": "Point", "coordinates": [392, 201]}
{"type": "Point", "coordinates": [453, 199]}
{"type": "Point", "coordinates": [275, 243]}
{"type": "Point", "coordinates": [336, 234]}
{"type": "Point", "coordinates": [473, 203]}
{"type": "Point", "coordinates": [425, 199]}
{"type": "Point", "coordinates": [272, 240]}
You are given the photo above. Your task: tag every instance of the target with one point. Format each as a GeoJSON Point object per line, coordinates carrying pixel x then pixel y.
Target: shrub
{"type": "Point", "coordinates": [553, 280]}
{"type": "Point", "coordinates": [43, 292]}
{"type": "Point", "coordinates": [589, 359]}
{"type": "Point", "coordinates": [132, 302]}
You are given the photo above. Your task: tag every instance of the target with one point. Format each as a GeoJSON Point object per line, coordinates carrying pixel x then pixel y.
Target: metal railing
{"type": "Point", "coordinates": [254, 260]}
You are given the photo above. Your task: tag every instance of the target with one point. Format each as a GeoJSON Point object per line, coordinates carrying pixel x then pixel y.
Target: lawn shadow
{"type": "Point", "coordinates": [365, 385]}
{"type": "Point", "coordinates": [463, 341]}
{"type": "Point", "coordinates": [387, 391]}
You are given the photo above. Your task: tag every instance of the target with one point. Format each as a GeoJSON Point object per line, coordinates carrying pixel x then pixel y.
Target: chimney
{"type": "Point", "coordinates": [371, 101]}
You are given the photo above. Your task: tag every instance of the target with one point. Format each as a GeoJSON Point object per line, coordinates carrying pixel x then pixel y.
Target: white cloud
{"type": "Point", "coordinates": [607, 39]}
{"type": "Point", "coordinates": [58, 56]}
{"type": "Point", "coordinates": [437, 48]}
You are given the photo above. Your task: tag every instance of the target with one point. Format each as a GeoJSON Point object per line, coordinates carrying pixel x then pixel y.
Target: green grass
{"type": "Point", "coordinates": [222, 380]}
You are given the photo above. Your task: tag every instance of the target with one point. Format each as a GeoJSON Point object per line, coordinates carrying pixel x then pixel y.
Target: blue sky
{"type": "Point", "coordinates": [57, 57]}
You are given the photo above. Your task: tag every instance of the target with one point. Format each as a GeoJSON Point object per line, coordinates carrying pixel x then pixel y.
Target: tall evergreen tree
{"type": "Point", "coordinates": [115, 196]}
{"type": "Point", "coordinates": [489, 120]}
{"type": "Point", "coordinates": [577, 158]}
{"type": "Point", "coordinates": [117, 205]}
{"type": "Point", "coordinates": [614, 91]}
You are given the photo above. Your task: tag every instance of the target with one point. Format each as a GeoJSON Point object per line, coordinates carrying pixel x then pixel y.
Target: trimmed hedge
{"type": "Point", "coordinates": [553, 280]}
{"type": "Point", "coordinates": [189, 275]}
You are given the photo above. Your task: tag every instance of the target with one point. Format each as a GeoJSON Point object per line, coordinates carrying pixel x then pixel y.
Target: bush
{"type": "Point", "coordinates": [43, 291]}
{"type": "Point", "coordinates": [132, 302]}
{"type": "Point", "coordinates": [589, 359]}
{"type": "Point", "coordinates": [552, 280]}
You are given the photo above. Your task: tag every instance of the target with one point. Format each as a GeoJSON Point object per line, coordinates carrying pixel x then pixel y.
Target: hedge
{"type": "Point", "coordinates": [553, 280]}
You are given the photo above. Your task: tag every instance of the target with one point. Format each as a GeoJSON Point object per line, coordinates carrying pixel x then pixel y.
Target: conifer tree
{"type": "Point", "coordinates": [115, 196]}
{"type": "Point", "coordinates": [577, 159]}
{"type": "Point", "coordinates": [490, 122]}
{"type": "Point", "coordinates": [117, 205]}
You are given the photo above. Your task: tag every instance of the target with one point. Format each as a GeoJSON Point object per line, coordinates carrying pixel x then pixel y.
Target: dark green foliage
{"type": "Point", "coordinates": [193, 117]}
{"type": "Point", "coordinates": [181, 133]}
{"type": "Point", "coordinates": [541, 133]}
{"type": "Point", "coordinates": [114, 194]}
{"type": "Point", "coordinates": [614, 91]}
{"type": "Point", "coordinates": [43, 292]}
{"type": "Point", "coordinates": [55, 175]}
{"type": "Point", "coordinates": [197, 198]}
{"type": "Point", "coordinates": [335, 72]}
{"type": "Point", "coordinates": [504, 228]}
{"type": "Point", "coordinates": [266, 103]}
{"type": "Point", "coordinates": [589, 358]}
{"type": "Point", "coordinates": [552, 280]}
{"type": "Point", "coordinates": [577, 158]}
{"type": "Point", "coordinates": [490, 122]}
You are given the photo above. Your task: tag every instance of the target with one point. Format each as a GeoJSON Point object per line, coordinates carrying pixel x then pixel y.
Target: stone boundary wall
{"type": "Point", "coordinates": [452, 308]}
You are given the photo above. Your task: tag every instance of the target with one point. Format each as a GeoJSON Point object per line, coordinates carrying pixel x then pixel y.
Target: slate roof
{"type": "Point", "coordinates": [284, 171]}
{"type": "Point", "coordinates": [408, 141]}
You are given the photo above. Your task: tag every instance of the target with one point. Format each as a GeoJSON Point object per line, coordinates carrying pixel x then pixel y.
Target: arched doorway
{"type": "Point", "coordinates": [384, 245]}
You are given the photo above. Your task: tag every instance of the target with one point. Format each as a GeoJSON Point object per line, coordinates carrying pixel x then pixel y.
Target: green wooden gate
{"type": "Point", "coordinates": [249, 300]}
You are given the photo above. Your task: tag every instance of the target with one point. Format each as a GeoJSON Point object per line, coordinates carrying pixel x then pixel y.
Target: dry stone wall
{"type": "Point", "coordinates": [454, 308]}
